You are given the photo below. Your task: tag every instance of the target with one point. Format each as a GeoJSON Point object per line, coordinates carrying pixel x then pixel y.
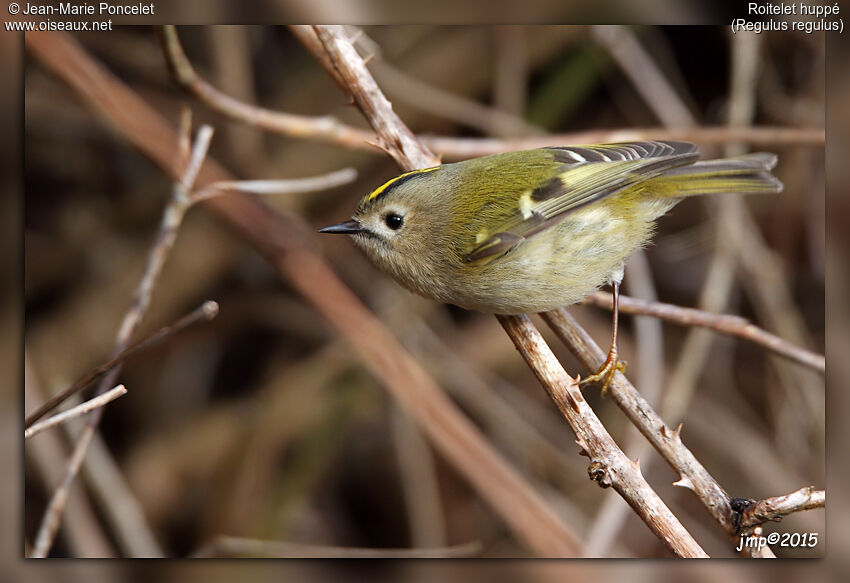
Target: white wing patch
{"type": "Point", "coordinates": [525, 205]}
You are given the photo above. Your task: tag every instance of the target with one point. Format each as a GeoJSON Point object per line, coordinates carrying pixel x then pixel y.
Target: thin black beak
{"type": "Point", "coordinates": [349, 227]}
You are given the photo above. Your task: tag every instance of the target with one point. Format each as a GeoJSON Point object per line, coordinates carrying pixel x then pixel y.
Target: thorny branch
{"type": "Point", "coordinates": [609, 466]}
{"type": "Point", "coordinates": [738, 239]}
{"type": "Point", "coordinates": [667, 441]}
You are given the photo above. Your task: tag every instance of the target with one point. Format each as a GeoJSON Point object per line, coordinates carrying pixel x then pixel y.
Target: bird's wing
{"type": "Point", "coordinates": [581, 175]}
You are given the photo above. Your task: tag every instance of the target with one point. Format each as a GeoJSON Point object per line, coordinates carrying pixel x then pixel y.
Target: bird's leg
{"type": "Point", "coordinates": [612, 363]}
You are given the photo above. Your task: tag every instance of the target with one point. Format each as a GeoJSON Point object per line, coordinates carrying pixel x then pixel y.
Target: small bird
{"type": "Point", "coordinates": [536, 230]}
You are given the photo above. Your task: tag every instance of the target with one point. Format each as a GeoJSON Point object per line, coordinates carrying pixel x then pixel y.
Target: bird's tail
{"type": "Point", "coordinates": [747, 174]}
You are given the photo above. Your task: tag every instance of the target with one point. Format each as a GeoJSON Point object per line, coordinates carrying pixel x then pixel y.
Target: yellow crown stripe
{"type": "Point", "coordinates": [381, 189]}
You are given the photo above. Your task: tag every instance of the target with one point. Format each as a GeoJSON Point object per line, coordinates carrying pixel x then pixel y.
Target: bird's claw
{"type": "Point", "coordinates": [605, 373]}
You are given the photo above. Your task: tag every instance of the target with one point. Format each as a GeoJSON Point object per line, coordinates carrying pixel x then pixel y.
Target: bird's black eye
{"type": "Point", "coordinates": [394, 221]}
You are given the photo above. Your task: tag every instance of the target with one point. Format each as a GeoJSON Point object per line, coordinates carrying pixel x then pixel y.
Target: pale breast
{"type": "Point", "coordinates": [556, 268]}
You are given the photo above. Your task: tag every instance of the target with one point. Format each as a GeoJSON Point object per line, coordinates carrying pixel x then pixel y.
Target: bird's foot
{"type": "Point", "coordinates": [606, 372]}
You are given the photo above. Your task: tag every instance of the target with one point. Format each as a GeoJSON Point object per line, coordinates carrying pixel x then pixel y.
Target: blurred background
{"type": "Point", "coordinates": [263, 424]}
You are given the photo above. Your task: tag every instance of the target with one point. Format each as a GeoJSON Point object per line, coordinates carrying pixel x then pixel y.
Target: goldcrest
{"type": "Point", "coordinates": [536, 230]}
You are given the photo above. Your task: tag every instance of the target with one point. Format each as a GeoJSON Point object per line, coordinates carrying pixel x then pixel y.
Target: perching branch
{"type": "Point", "coordinates": [348, 68]}
{"type": "Point", "coordinates": [723, 323]}
{"type": "Point", "coordinates": [331, 130]}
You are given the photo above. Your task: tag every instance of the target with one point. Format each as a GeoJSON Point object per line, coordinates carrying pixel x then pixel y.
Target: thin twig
{"type": "Point", "coordinates": [773, 509]}
{"type": "Point", "coordinates": [169, 226]}
{"type": "Point", "coordinates": [668, 442]}
{"type": "Point", "coordinates": [329, 129]}
{"type": "Point", "coordinates": [81, 409]}
{"type": "Point", "coordinates": [609, 466]}
{"type": "Point", "coordinates": [229, 546]}
{"type": "Point", "coordinates": [295, 126]}
{"type": "Point", "coordinates": [463, 148]}
{"type": "Point", "coordinates": [289, 246]}
{"type": "Point", "coordinates": [283, 186]}
{"type": "Point", "coordinates": [723, 323]}
{"type": "Point", "coordinates": [83, 531]}
{"type": "Point", "coordinates": [206, 311]}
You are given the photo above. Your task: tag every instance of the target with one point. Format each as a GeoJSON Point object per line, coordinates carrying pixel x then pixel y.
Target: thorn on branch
{"type": "Point", "coordinates": [684, 482]}
{"type": "Point", "coordinates": [677, 433]}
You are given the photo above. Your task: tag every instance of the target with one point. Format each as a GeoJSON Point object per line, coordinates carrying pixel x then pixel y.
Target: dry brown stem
{"type": "Point", "coordinates": [73, 412]}
{"type": "Point", "coordinates": [723, 323]}
{"type": "Point", "coordinates": [83, 531]}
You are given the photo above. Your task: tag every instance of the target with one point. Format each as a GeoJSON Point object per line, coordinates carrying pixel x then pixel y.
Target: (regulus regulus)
{"type": "Point", "coordinates": [536, 230]}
